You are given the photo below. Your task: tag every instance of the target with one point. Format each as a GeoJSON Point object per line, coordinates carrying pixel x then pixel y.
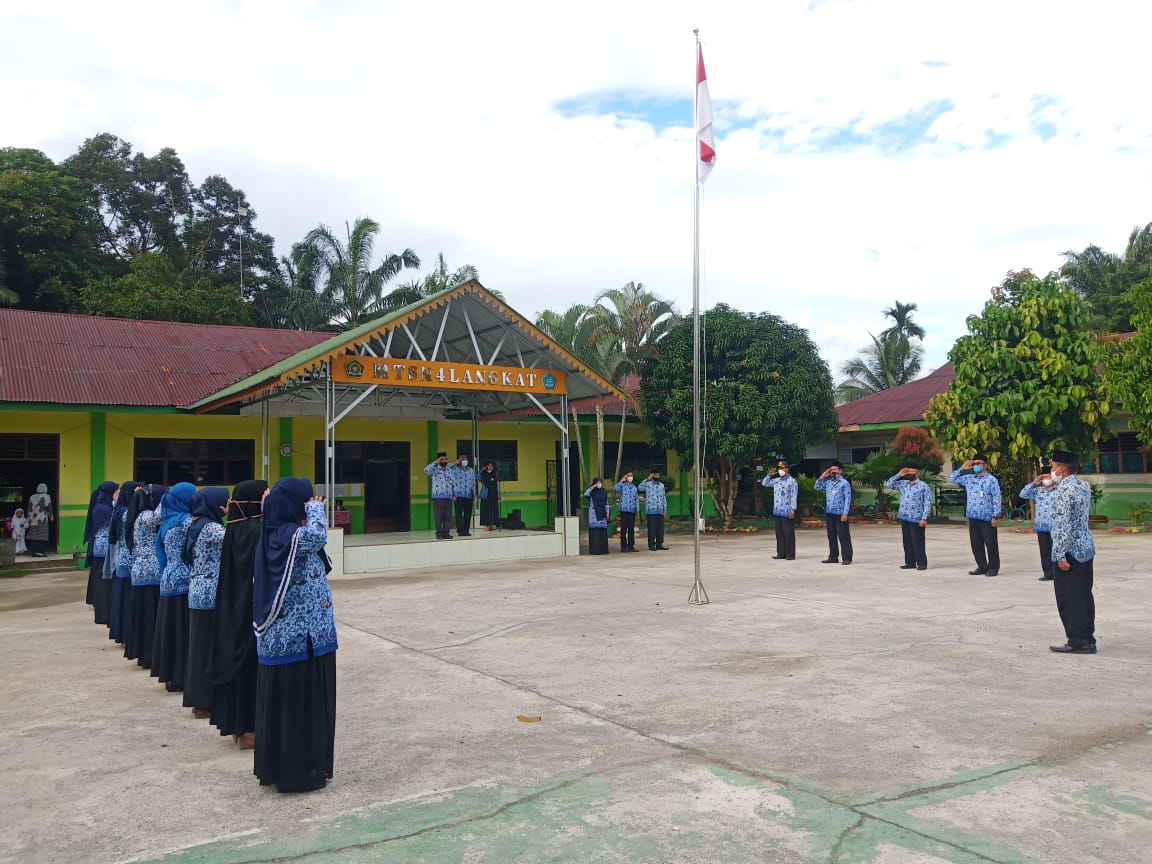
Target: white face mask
{"type": "Point", "coordinates": [628, 479]}
{"type": "Point", "coordinates": [464, 463]}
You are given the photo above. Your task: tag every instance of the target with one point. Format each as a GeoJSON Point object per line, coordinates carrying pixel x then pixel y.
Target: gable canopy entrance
{"type": "Point", "coordinates": [461, 354]}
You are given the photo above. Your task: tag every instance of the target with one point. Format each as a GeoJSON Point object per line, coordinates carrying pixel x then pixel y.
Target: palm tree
{"type": "Point", "coordinates": [892, 359]}
{"type": "Point", "coordinates": [440, 279]}
{"type": "Point", "coordinates": [343, 272]}
{"type": "Point", "coordinates": [629, 322]}
{"type": "Point", "coordinates": [1102, 278]}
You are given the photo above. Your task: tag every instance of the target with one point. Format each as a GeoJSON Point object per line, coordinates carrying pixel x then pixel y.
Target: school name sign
{"type": "Point", "coordinates": [447, 376]}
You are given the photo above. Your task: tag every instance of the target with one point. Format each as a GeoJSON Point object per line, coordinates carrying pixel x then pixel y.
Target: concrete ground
{"type": "Point", "coordinates": [809, 713]}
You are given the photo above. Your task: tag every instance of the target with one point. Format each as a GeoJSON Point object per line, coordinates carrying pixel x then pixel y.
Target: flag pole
{"type": "Point", "coordinates": [697, 595]}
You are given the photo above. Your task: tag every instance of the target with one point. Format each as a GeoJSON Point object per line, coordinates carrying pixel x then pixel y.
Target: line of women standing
{"type": "Point", "coordinates": [225, 598]}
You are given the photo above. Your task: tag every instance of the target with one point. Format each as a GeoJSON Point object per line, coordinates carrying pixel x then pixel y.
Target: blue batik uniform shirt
{"type": "Point", "coordinates": [655, 498]}
{"type": "Point", "coordinates": [145, 562]}
{"type": "Point", "coordinates": [915, 498]}
{"type": "Point", "coordinates": [1070, 534]}
{"type": "Point", "coordinates": [463, 481]}
{"type": "Point", "coordinates": [1042, 495]}
{"type": "Point", "coordinates": [983, 490]}
{"type": "Point", "coordinates": [784, 492]}
{"type": "Point", "coordinates": [204, 574]}
{"type": "Point", "coordinates": [442, 481]}
{"type": "Point", "coordinates": [629, 497]}
{"type": "Point", "coordinates": [837, 496]}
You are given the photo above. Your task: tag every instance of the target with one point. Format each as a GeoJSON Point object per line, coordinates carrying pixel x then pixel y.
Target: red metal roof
{"type": "Point", "coordinates": [903, 404]}
{"type": "Point", "coordinates": [83, 360]}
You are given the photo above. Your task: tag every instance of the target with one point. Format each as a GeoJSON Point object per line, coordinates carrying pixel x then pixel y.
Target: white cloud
{"type": "Point", "coordinates": [439, 120]}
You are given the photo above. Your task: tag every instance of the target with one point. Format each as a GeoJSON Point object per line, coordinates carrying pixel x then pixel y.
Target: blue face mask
{"type": "Point", "coordinates": [976, 469]}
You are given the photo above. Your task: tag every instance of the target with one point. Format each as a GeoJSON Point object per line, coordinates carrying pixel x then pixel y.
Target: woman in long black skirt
{"type": "Point", "coordinates": [295, 642]}
{"type": "Point", "coordinates": [96, 525]}
{"type": "Point", "coordinates": [597, 497]}
{"type": "Point", "coordinates": [118, 565]}
{"type": "Point", "coordinates": [170, 645]}
{"type": "Point", "coordinates": [489, 497]}
{"type": "Point", "coordinates": [140, 529]}
{"type": "Point", "coordinates": [201, 553]}
{"type": "Point", "coordinates": [233, 657]}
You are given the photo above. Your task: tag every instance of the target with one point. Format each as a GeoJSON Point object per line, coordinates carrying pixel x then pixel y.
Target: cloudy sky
{"type": "Point", "coordinates": [867, 151]}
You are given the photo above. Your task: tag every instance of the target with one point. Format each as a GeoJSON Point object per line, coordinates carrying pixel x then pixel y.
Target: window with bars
{"type": "Point", "coordinates": [211, 462]}
{"type": "Point", "coordinates": [1123, 454]}
{"type": "Point", "coordinates": [503, 453]}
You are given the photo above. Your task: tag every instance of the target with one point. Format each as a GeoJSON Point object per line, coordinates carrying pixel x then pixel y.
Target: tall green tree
{"type": "Point", "coordinates": [1026, 378]}
{"type": "Point", "coordinates": [895, 357]}
{"type": "Point", "coordinates": [1103, 278]}
{"type": "Point", "coordinates": [142, 201]}
{"type": "Point", "coordinates": [47, 233]}
{"type": "Point", "coordinates": [154, 289]}
{"type": "Point", "coordinates": [1128, 367]}
{"type": "Point", "coordinates": [345, 275]}
{"type": "Point", "coordinates": [766, 392]}
{"type": "Point", "coordinates": [439, 280]}
{"type": "Point", "coordinates": [628, 324]}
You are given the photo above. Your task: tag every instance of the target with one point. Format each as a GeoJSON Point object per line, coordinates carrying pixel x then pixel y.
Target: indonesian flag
{"type": "Point", "coordinates": [705, 143]}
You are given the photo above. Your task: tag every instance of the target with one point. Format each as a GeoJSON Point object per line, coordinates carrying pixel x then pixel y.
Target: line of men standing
{"type": "Point", "coordinates": [453, 486]}
{"type": "Point", "coordinates": [1063, 500]}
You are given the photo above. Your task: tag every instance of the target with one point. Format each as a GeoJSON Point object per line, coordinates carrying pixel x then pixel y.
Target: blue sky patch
{"type": "Point", "coordinates": [1040, 119]}
{"type": "Point", "coordinates": [661, 112]}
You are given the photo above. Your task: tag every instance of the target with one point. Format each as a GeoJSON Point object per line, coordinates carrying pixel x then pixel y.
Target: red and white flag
{"type": "Point", "coordinates": [705, 143]}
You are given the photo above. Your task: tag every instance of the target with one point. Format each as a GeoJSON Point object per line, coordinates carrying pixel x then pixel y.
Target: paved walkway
{"type": "Point", "coordinates": [810, 713]}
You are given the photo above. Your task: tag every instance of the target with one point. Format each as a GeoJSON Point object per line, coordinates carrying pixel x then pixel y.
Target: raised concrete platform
{"type": "Point", "coordinates": [358, 554]}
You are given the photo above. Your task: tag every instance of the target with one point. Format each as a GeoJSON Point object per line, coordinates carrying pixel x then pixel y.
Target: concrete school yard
{"type": "Point", "coordinates": [809, 713]}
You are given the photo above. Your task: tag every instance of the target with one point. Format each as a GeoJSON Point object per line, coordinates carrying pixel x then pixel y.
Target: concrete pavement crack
{"type": "Point", "coordinates": [686, 749]}
{"type": "Point", "coordinates": [943, 787]}
{"type": "Point", "coordinates": [834, 853]}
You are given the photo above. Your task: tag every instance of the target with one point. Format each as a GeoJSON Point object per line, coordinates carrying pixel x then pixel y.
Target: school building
{"type": "Point", "coordinates": [84, 399]}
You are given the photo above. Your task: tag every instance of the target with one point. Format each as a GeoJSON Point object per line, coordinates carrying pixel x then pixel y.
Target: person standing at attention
{"type": "Point", "coordinates": [784, 492]}
{"type": "Point", "coordinates": [629, 504]}
{"type": "Point", "coordinates": [442, 494]}
{"type": "Point", "coordinates": [1040, 491]}
{"type": "Point", "coordinates": [655, 505]}
{"type": "Point", "coordinates": [982, 511]}
{"type": "Point", "coordinates": [464, 489]}
{"type": "Point", "coordinates": [295, 642]}
{"type": "Point", "coordinates": [915, 508]}
{"type": "Point", "coordinates": [598, 511]}
{"type": "Point", "coordinates": [1073, 551]}
{"type": "Point", "coordinates": [41, 515]}
{"type": "Point", "coordinates": [490, 497]}
{"type": "Point", "coordinates": [837, 505]}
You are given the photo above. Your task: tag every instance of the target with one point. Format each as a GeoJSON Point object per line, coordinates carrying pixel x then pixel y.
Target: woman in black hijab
{"type": "Point", "coordinates": [118, 564]}
{"type": "Point", "coordinates": [295, 642]}
{"type": "Point", "coordinates": [96, 526]}
{"type": "Point", "coordinates": [232, 662]}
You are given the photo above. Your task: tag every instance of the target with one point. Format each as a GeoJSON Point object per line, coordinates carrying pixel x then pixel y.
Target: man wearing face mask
{"type": "Point", "coordinates": [784, 490]}
{"type": "Point", "coordinates": [837, 505]}
{"type": "Point", "coordinates": [1073, 551]}
{"type": "Point", "coordinates": [464, 487]}
{"type": "Point", "coordinates": [915, 508]}
{"type": "Point", "coordinates": [1040, 491]}
{"type": "Point", "coordinates": [983, 513]}
{"type": "Point", "coordinates": [629, 504]}
{"type": "Point", "coordinates": [443, 491]}
{"type": "Point", "coordinates": [656, 505]}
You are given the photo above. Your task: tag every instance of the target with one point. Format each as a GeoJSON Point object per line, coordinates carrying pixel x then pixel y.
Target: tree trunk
{"type": "Point", "coordinates": [600, 439]}
{"type": "Point", "coordinates": [579, 450]}
{"type": "Point", "coordinates": [620, 444]}
{"type": "Point", "coordinates": [722, 486]}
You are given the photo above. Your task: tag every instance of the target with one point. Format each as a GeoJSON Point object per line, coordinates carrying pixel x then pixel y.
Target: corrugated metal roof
{"type": "Point", "coordinates": [906, 403]}
{"type": "Point", "coordinates": [83, 360]}
{"type": "Point", "coordinates": [483, 334]}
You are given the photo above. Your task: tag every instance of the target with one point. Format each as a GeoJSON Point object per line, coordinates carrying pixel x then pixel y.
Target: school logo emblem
{"type": "Point", "coordinates": [549, 381]}
{"type": "Point", "coordinates": [354, 368]}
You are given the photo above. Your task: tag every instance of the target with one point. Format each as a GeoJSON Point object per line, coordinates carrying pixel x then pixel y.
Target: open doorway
{"type": "Point", "coordinates": [26, 461]}
{"type": "Point", "coordinates": [378, 477]}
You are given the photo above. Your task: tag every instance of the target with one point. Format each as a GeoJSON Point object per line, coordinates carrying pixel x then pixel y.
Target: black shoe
{"type": "Point", "coordinates": [662, 548]}
{"type": "Point", "coordinates": [790, 558]}
{"type": "Point", "coordinates": [1068, 649]}
{"type": "Point", "coordinates": [977, 572]}
{"type": "Point", "coordinates": [777, 557]}
{"type": "Point", "coordinates": [1045, 579]}
{"type": "Point", "coordinates": [907, 566]}
{"type": "Point", "coordinates": [918, 567]}
{"type": "Point", "coordinates": [992, 573]}
{"type": "Point", "coordinates": [830, 561]}
{"type": "Point", "coordinates": [845, 563]}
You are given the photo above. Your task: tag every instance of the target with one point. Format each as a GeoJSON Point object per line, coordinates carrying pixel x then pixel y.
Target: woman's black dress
{"type": "Point", "coordinates": [490, 506]}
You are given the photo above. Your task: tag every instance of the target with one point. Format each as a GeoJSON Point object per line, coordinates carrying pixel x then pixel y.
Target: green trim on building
{"type": "Point", "coordinates": [97, 446]}
{"type": "Point", "coordinates": [87, 409]}
{"type": "Point", "coordinates": [883, 427]}
{"type": "Point", "coordinates": [285, 438]}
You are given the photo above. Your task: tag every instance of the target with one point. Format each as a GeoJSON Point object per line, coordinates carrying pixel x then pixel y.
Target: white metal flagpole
{"type": "Point", "coordinates": [698, 595]}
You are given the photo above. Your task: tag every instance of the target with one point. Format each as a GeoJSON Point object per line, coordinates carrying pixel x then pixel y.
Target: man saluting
{"type": "Point", "coordinates": [1073, 551]}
